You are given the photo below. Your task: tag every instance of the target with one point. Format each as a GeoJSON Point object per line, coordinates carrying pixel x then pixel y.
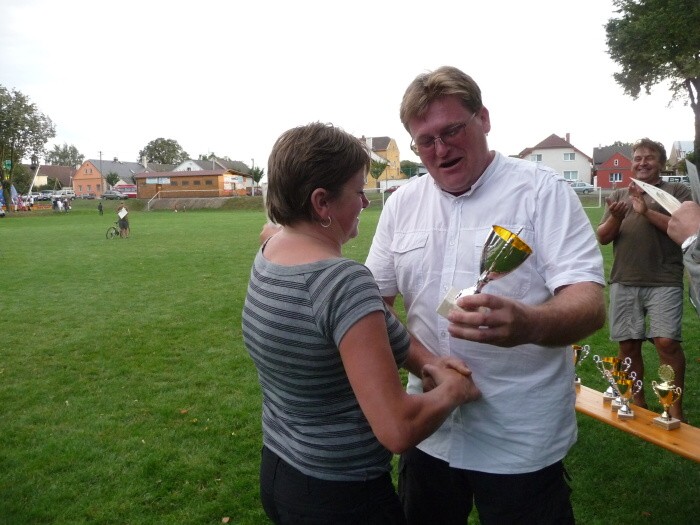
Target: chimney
{"type": "Point", "coordinates": [144, 161]}
{"type": "Point", "coordinates": [568, 138]}
{"type": "Point", "coordinates": [116, 159]}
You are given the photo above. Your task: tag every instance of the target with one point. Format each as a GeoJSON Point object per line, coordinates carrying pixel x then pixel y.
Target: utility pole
{"type": "Point", "coordinates": [102, 178]}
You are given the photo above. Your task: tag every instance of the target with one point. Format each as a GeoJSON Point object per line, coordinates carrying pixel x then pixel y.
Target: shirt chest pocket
{"type": "Point", "coordinates": [409, 256]}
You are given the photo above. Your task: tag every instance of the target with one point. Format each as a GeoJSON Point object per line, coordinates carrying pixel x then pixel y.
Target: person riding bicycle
{"type": "Point", "coordinates": [123, 214]}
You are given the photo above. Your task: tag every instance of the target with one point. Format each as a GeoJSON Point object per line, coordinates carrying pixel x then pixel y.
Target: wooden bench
{"type": "Point", "coordinates": [684, 441]}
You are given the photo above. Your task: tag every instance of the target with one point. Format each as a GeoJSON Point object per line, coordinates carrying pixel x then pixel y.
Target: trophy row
{"type": "Point", "coordinates": [623, 385]}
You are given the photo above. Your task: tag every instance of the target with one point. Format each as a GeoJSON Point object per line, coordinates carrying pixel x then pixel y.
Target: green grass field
{"type": "Point", "coordinates": [127, 396]}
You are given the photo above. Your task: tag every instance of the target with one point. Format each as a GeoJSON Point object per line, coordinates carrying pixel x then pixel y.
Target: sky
{"type": "Point", "coordinates": [229, 77]}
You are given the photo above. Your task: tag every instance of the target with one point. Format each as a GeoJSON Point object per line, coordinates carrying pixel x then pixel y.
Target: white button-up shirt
{"type": "Point", "coordinates": [428, 241]}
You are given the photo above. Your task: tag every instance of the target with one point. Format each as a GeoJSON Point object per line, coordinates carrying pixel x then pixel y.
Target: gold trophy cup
{"type": "Point", "coordinates": [580, 353]}
{"type": "Point", "coordinates": [503, 252]}
{"type": "Point", "coordinates": [609, 367]}
{"type": "Point", "coordinates": [668, 394]}
{"type": "Point", "coordinates": [627, 386]}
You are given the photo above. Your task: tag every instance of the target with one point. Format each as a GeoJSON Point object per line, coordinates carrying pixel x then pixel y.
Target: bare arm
{"type": "Point", "coordinates": [610, 228]}
{"type": "Point", "coordinates": [399, 420]}
{"type": "Point", "coordinates": [574, 312]}
{"type": "Point", "coordinates": [419, 355]}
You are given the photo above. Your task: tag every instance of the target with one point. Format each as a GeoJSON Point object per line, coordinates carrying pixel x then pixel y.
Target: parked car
{"type": "Point", "coordinates": [64, 193]}
{"type": "Point", "coordinates": [46, 195]}
{"type": "Point", "coordinates": [114, 195]}
{"type": "Point", "coordinates": [582, 187]}
{"type": "Point", "coordinates": [87, 196]}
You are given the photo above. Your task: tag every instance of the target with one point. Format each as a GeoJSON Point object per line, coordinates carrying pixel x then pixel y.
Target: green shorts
{"type": "Point", "coordinates": [630, 306]}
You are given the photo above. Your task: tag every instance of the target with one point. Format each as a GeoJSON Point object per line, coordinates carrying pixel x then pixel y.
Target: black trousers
{"type": "Point", "coordinates": [291, 497]}
{"type": "Point", "coordinates": [434, 493]}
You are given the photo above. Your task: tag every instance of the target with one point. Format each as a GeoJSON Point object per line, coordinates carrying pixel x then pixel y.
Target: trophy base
{"type": "Point", "coordinates": [449, 302]}
{"type": "Point", "coordinates": [625, 414]}
{"type": "Point", "coordinates": [607, 399]}
{"type": "Point", "coordinates": [577, 383]}
{"type": "Point", "coordinates": [668, 424]}
{"type": "Point", "coordinates": [615, 405]}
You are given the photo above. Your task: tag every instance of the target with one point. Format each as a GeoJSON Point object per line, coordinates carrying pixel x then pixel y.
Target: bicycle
{"type": "Point", "coordinates": [113, 231]}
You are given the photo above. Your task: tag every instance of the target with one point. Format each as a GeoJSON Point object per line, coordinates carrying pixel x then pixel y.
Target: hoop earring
{"type": "Point", "coordinates": [327, 225]}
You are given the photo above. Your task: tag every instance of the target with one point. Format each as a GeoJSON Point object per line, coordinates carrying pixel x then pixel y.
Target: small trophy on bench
{"type": "Point", "coordinates": [627, 386]}
{"type": "Point", "coordinates": [609, 367]}
{"type": "Point", "coordinates": [668, 393]}
{"type": "Point", "coordinates": [580, 353]}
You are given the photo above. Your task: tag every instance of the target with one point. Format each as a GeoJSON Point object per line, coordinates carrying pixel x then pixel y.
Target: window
{"type": "Point", "coordinates": [536, 157]}
{"type": "Point", "coordinates": [616, 177]}
{"type": "Point", "coordinates": [569, 156]}
{"type": "Point", "coordinates": [616, 162]}
{"type": "Point", "coordinates": [571, 175]}
{"type": "Point", "coordinates": [173, 182]}
{"type": "Point", "coordinates": [185, 183]}
{"type": "Point", "coordinates": [197, 183]}
{"type": "Point", "coordinates": [208, 182]}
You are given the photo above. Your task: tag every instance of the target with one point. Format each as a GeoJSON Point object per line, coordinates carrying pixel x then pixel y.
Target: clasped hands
{"type": "Point", "coordinates": [450, 369]}
{"type": "Point", "coordinates": [618, 209]}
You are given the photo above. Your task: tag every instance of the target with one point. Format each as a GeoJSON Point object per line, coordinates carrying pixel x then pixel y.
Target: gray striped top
{"type": "Point", "coordinates": [293, 319]}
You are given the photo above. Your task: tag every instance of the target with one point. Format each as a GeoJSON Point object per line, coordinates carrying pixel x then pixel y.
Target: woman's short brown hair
{"type": "Point", "coordinates": [306, 158]}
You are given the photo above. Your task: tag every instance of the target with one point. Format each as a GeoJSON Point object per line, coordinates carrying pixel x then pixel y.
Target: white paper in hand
{"type": "Point", "coordinates": [664, 198]}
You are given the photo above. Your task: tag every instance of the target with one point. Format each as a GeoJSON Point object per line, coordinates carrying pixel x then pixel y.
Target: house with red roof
{"type": "Point", "coordinates": [559, 154]}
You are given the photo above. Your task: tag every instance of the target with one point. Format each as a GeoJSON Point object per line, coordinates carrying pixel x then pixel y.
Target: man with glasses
{"type": "Point", "coordinates": [502, 453]}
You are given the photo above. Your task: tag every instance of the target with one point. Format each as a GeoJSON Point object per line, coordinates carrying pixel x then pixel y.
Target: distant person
{"type": "Point", "coordinates": [684, 228]}
{"type": "Point", "coordinates": [647, 272]}
{"type": "Point", "coordinates": [327, 348]}
{"type": "Point", "coordinates": [123, 219]}
{"type": "Point", "coordinates": [100, 209]}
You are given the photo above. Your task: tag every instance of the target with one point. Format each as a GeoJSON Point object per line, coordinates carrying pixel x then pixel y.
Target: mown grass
{"type": "Point", "coordinates": [127, 396]}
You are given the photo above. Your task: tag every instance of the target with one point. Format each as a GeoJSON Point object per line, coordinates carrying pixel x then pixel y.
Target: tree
{"type": "Point", "coordinates": [65, 156]}
{"type": "Point", "coordinates": [24, 131]}
{"type": "Point", "coordinates": [163, 151]}
{"type": "Point", "coordinates": [656, 41]}
{"type": "Point", "coordinates": [376, 168]}
{"type": "Point", "coordinates": [112, 178]}
{"type": "Point", "coordinates": [257, 174]}
{"type": "Point", "coordinates": [409, 168]}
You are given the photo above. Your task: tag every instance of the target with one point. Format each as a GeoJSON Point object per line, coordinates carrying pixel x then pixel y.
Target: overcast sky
{"type": "Point", "coordinates": [229, 77]}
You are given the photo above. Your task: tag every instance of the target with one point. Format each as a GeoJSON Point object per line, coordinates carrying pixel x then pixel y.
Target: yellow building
{"type": "Point", "coordinates": [384, 149]}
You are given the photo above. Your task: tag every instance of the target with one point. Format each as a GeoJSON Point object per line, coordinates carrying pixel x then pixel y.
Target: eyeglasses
{"type": "Point", "coordinates": [426, 143]}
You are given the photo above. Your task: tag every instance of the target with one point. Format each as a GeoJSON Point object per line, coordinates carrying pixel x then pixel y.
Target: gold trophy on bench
{"type": "Point", "coordinates": [627, 386]}
{"type": "Point", "coordinates": [609, 367]}
{"type": "Point", "coordinates": [580, 353]}
{"type": "Point", "coordinates": [668, 393]}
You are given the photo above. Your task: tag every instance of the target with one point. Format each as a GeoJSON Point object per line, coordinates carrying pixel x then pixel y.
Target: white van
{"type": "Point", "coordinates": [676, 178]}
{"type": "Point", "coordinates": [65, 192]}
